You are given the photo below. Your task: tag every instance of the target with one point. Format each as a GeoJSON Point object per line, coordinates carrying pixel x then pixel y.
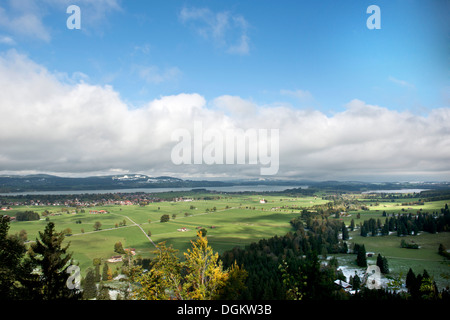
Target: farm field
{"type": "Point", "coordinates": [230, 220]}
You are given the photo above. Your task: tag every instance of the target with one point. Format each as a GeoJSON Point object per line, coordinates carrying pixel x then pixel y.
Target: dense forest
{"type": "Point", "coordinates": [287, 267]}
{"type": "Point", "coordinates": [408, 223]}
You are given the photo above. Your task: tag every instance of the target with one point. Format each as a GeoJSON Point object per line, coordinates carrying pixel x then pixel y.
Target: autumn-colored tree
{"type": "Point", "coordinates": [205, 275]}
{"type": "Point", "coordinates": [199, 277]}
{"type": "Point", "coordinates": [235, 283]}
{"type": "Point", "coordinates": [107, 273]}
{"type": "Point", "coordinates": [163, 280]}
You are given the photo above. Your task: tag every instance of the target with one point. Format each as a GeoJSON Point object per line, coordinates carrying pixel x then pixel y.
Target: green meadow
{"type": "Point", "coordinates": [230, 220]}
{"type": "Point", "coordinates": [401, 259]}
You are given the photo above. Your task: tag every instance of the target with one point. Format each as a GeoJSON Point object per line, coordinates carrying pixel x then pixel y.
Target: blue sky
{"type": "Point", "coordinates": [306, 56]}
{"type": "Point", "coordinates": [320, 47]}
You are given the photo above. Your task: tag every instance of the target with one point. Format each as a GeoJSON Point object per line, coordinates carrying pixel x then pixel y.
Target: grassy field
{"type": "Point", "coordinates": [230, 220]}
{"type": "Point", "coordinates": [401, 259]}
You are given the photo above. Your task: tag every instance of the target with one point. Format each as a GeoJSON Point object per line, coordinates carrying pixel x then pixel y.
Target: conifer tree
{"type": "Point", "coordinates": [89, 287]}
{"type": "Point", "coordinates": [411, 281]}
{"type": "Point", "coordinates": [51, 261]}
{"type": "Point", "coordinates": [356, 283]}
{"type": "Point", "coordinates": [106, 274]}
{"type": "Point", "coordinates": [382, 263]}
{"type": "Point", "coordinates": [344, 232]}
{"type": "Point", "coordinates": [361, 259]}
{"type": "Point", "coordinates": [14, 270]}
{"type": "Point", "coordinates": [103, 293]}
{"type": "Point", "coordinates": [352, 225]}
{"type": "Point", "coordinates": [364, 230]}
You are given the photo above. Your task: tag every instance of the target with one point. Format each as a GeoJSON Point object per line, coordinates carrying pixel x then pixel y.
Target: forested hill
{"type": "Point", "coordinates": [43, 182]}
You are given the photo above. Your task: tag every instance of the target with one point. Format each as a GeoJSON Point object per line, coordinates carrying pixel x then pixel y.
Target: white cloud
{"type": "Point", "coordinates": [401, 83]}
{"type": "Point", "coordinates": [224, 29]}
{"type": "Point", "coordinates": [240, 48]}
{"type": "Point", "coordinates": [301, 95]}
{"type": "Point", "coordinates": [153, 74]}
{"type": "Point", "coordinates": [28, 23]}
{"type": "Point", "coordinates": [58, 126]}
{"type": "Point", "coordinates": [25, 18]}
{"type": "Point", "coordinates": [7, 40]}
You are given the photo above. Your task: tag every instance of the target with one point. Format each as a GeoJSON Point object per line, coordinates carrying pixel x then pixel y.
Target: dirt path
{"type": "Point", "coordinates": [135, 224]}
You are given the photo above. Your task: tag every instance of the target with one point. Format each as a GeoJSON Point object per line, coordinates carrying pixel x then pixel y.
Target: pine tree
{"type": "Point", "coordinates": [51, 260]}
{"type": "Point", "coordinates": [14, 271]}
{"type": "Point", "coordinates": [352, 225]}
{"type": "Point", "coordinates": [382, 263]}
{"type": "Point", "coordinates": [385, 229]}
{"type": "Point", "coordinates": [344, 232]}
{"type": "Point", "coordinates": [361, 259]}
{"type": "Point", "coordinates": [106, 274]}
{"type": "Point", "coordinates": [364, 230]}
{"type": "Point", "coordinates": [410, 279]}
{"type": "Point", "coordinates": [356, 282]}
{"type": "Point", "coordinates": [385, 266]}
{"type": "Point", "coordinates": [97, 275]}
{"type": "Point", "coordinates": [103, 293]}
{"type": "Point", "coordinates": [89, 287]}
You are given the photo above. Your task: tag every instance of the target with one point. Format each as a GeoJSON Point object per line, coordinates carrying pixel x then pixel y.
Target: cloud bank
{"type": "Point", "coordinates": [56, 126]}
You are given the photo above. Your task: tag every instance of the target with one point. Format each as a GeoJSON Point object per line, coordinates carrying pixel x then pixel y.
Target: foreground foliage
{"type": "Point", "coordinates": [199, 277]}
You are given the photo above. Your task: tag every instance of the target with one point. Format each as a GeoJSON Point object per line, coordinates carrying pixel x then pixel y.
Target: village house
{"type": "Point", "coordinates": [98, 211]}
{"type": "Point", "coordinates": [114, 259]}
{"type": "Point", "coordinates": [10, 218]}
{"type": "Point", "coordinates": [344, 285]}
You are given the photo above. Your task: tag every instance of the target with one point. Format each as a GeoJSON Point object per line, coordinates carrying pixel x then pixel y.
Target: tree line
{"type": "Point", "coordinates": [287, 267]}
{"type": "Point", "coordinates": [27, 216]}
{"type": "Point", "coordinates": [407, 224]}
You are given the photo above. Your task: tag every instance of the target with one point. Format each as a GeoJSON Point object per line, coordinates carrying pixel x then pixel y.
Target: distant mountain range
{"type": "Point", "coordinates": [44, 182]}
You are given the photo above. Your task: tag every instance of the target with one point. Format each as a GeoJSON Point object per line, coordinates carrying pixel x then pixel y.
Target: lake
{"type": "Point", "coordinates": [253, 188]}
{"type": "Point", "coordinates": [397, 191]}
